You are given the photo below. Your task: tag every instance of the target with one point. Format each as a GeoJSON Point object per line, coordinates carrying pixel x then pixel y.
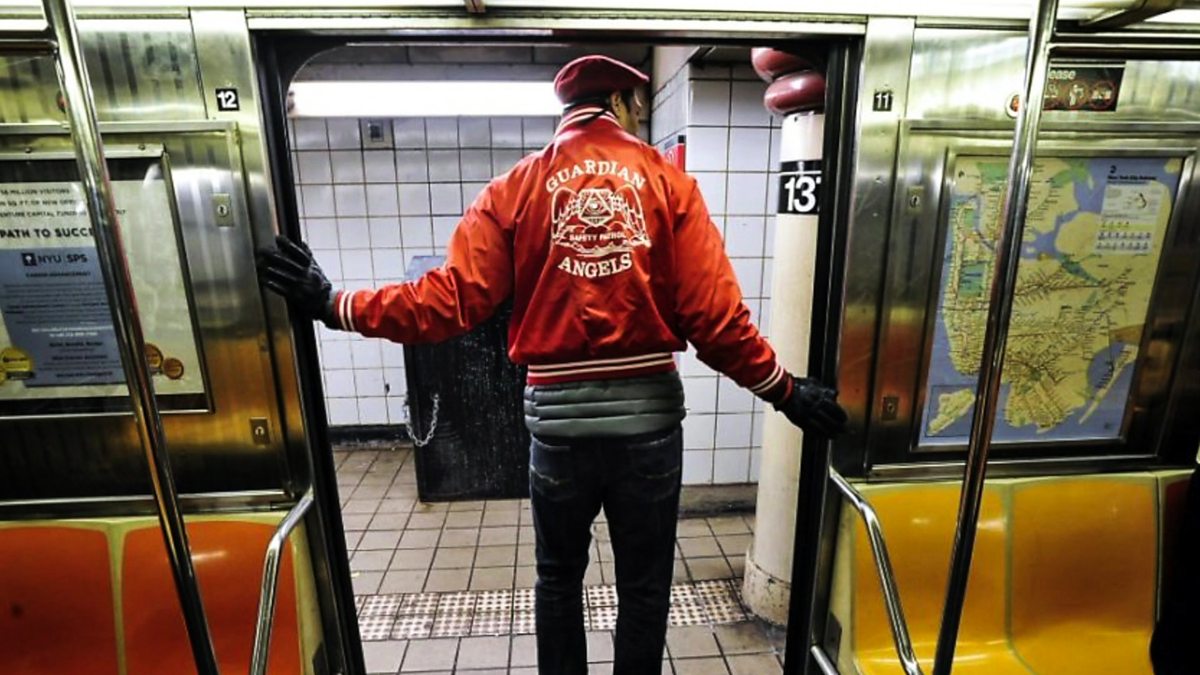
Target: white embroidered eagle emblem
{"type": "Point", "coordinates": [597, 222]}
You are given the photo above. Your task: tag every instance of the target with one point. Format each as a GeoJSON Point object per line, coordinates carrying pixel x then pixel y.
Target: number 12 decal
{"type": "Point", "coordinates": [227, 99]}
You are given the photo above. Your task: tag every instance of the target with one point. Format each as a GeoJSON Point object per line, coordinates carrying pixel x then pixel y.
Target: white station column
{"type": "Point", "coordinates": [768, 578]}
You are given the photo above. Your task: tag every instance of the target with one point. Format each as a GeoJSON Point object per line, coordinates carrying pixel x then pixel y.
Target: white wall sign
{"type": "Point", "coordinates": [56, 334]}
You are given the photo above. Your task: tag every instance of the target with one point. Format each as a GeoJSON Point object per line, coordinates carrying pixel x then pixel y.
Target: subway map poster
{"type": "Point", "coordinates": [1092, 242]}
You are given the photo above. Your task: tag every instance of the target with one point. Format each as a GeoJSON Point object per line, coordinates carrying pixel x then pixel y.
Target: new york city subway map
{"type": "Point", "coordinates": [1091, 246]}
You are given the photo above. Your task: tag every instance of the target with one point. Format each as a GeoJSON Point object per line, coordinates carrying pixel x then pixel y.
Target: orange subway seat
{"type": "Point", "coordinates": [918, 522]}
{"type": "Point", "coordinates": [1084, 557]}
{"type": "Point", "coordinates": [56, 602]}
{"type": "Point", "coordinates": [228, 556]}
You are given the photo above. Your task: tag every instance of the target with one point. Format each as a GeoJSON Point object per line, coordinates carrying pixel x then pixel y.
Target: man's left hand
{"type": "Point", "coordinates": [813, 407]}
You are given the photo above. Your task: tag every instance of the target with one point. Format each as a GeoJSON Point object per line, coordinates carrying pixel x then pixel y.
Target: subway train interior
{"type": "Point", "coordinates": [194, 479]}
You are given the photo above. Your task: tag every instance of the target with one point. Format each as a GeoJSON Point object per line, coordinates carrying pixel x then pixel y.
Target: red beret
{"type": "Point", "coordinates": [595, 76]}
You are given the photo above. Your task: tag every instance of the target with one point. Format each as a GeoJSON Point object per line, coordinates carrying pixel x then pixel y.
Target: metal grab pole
{"type": "Point", "coordinates": [887, 577]}
{"type": "Point", "coordinates": [1004, 277]}
{"type": "Point", "coordinates": [268, 595]}
{"type": "Point", "coordinates": [97, 192]}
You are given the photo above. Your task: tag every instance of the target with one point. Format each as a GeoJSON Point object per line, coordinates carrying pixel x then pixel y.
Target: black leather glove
{"type": "Point", "coordinates": [813, 407]}
{"type": "Point", "coordinates": [291, 271]}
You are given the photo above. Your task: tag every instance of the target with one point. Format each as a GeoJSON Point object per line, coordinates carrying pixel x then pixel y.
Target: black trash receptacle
{"type": "Point", "coordinates": [479, 446]}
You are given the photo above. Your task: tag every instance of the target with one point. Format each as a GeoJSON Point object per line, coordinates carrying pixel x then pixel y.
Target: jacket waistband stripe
{"type": "Point", "coordinates": [627, 360]}
{"type": "Point", "coordinates": [601, 375]}
{"type": "Point", "coordinates": [603, 369]}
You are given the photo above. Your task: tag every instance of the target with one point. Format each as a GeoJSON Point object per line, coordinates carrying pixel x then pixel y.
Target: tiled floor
{"type": "Point", "coordinates": [447, 588]}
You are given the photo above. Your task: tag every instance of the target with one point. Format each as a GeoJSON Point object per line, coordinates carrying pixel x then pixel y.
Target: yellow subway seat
{"type": "Point", "coordinates": [918, 523]}
{"type": "Point", "coordinates": [969, 657]}
{"type": "Point", "coordinates": [1084, 557]}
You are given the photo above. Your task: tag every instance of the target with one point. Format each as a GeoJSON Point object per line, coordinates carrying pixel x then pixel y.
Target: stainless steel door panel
{"type": "Point", "coordinates": [143, 70]}
{"type": "Point", "coordinates": [213, 450]}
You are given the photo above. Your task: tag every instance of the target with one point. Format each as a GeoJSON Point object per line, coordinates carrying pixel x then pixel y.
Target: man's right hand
{"type": "Point", "coordinates": [291, 271]}
{"type": "Point", "coordinates": [813, 407]}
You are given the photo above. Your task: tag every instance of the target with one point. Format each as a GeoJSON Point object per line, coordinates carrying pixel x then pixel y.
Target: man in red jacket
{"type": "Point", "coordinates": [613, 264]}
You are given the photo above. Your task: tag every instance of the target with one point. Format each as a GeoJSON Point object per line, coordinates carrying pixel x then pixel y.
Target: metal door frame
{"type": "Point", "coordinates": [280, 55]}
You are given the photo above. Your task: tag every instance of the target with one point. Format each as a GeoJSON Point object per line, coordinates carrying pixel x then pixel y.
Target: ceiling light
{"type": "Point", "coordinates": [422, 99]}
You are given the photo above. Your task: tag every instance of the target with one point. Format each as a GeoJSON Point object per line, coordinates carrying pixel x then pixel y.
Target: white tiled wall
{"type": "Point", "coordinates": [669, 108]}
{"type": "Point", "coordinates": [367, 208]}
{"type": "Point", "coordinates": [732, 150]}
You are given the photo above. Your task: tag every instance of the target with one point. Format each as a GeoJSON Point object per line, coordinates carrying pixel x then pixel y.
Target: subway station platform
{"type": "Point", "coordinates": [448, 588]}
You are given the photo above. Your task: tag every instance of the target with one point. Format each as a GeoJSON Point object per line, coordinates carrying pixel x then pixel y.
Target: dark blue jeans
{"type": "Point", "coordinates": [636, 481]}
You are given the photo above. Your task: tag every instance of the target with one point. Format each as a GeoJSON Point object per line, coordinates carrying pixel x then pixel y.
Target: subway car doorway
{"type": "Point", "coordinates": [427, 445]}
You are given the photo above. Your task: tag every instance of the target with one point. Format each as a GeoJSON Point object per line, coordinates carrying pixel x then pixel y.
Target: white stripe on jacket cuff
{"type": "Point", "coordinates": [345, 310]}
{"type": "Point", "coordinates": [767, 384]}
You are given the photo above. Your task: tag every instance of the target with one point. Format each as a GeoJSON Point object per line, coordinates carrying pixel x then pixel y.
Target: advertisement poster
{"type": "Point", "coordinates": [57, 341]}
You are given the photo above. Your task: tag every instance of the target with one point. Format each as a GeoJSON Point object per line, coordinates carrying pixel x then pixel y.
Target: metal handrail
{"type": "Point", "coordinates": [1090, 47]}
{"type": "Point", "coordinates": [127, 325]}
{"type": "Point", "coordinates": [823, 661]}
{"type": "Point", "coordinates": [887, 577]}
{"type": "Point", "coordinates": [265, 625]}
{"type": "Point", "coordinates": [995, 336]}
{"type": "Point", "coordinates": [37, 42]}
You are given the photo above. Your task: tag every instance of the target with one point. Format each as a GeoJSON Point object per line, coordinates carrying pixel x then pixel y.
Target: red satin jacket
{"type": "Point", "coordinates": [611, 260]}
